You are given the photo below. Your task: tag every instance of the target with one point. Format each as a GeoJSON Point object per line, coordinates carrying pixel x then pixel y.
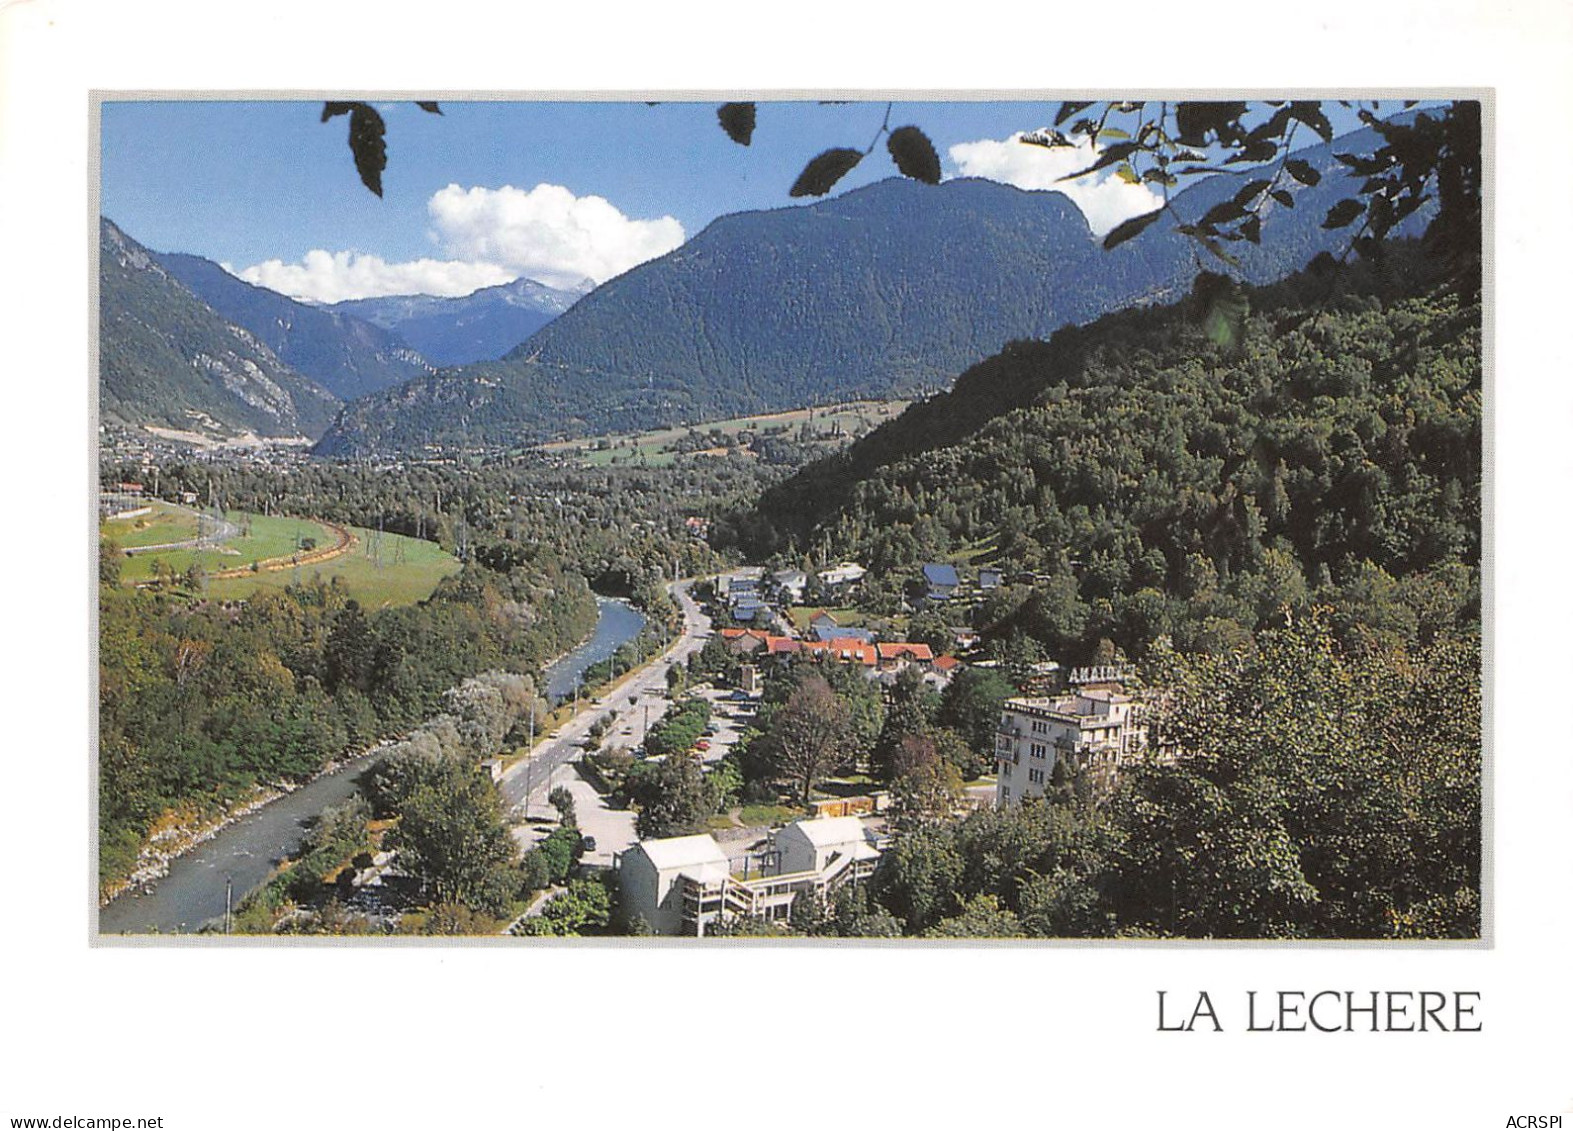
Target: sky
{"type": "Point", "coordinates": [567, 193]}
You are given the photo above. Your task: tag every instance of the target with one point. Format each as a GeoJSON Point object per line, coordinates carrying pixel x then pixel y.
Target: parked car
{"type": "Point", "coordinates": [587, 844]}
{"type": "Point", "coordinates": [702, 744]}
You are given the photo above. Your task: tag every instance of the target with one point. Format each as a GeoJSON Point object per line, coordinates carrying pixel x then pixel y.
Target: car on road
{"type": "Point", "coordinates": [587, 844]}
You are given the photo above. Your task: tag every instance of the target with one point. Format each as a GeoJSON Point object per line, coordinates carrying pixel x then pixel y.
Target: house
{"type": "Point", "coordinates": [822, 625]}
{"type": "Point", "coordinates": [684, 885]}
{"type": "Point", "coordinates": [744, 641]}
{"type": "Point", "coordinates": [851, 650]}
{"type": "Point", "coordinates": [824, 844]}
{"type": "Point", "coordinates": [791, 584]}
{"type": "Point", "coordinates": [677, 884]}
{"type": "Point", "coordinates": [940, 581]}
{"type": "Point", "coordinates": [1097, 730]}
{"type": "Point", "coordinates": [847, 573]}
{"type": "Point", "coordinates": [899, 654]}
{"type": "Point", "coordinates": [990, 579]}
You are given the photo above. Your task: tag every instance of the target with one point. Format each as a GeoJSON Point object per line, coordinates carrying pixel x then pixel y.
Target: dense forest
{"type": "Point", "coordinates": [1156, 479]}
{"type": "Point", "coordinates": [199, 701]}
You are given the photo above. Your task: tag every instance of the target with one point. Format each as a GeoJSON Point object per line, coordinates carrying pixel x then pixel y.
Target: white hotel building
{"type": "Point", "coordinates": [1096, 730]}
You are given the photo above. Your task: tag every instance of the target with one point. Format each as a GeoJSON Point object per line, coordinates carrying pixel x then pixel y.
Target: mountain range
{"type": "Point", "coordinates": [168, 359]}
{"type": "Point", "coordinates": [348, 356]}
{"type": "Point", "coordinates": [889, 289]}
{"type": "Point", "coordinates": [482, 326]}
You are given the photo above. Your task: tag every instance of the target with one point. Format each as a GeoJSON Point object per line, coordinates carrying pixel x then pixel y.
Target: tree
{"type": "Point", "coordinates": [925, 787]}
{"type": "Point", "coordinates": [585, 907]}
{"type": "Point", "coordinates": [1320, 793]}
{"type": "Point", "coordinates": [911, 711]}
{"type": "Point", "coordinates": [109, 563]}
{"type": "Point", "coordinates": [561, 800]}
{"type": "Point", "coordinates": [809, 736]}
{"type": "Point", "coordinates": [970, 705]}
{"type": "Point", "coordinates": [452, 836]}
{"type": "Point", "coordinates": [671, 797]}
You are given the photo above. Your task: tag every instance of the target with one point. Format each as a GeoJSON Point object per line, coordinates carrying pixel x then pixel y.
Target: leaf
{"type": "Point", "coordinates": [1130, 228]}
{"type": "Point", "coordinates": [1340, 214]}
{"type": "Point", "coordinates": [334, 109]}
{"type": "Point", "coordinates": [820, 175]}
{"type": "Point", "coordinates": [1113, 133]}
{"type": "Point", "coordinates": [1302, 171]}
{"type": "Point", "coordinates": [1283, 197]}
{"type": "Point", "coordinates": [1049, 139]}
{"type": "Point", "coordinates": [1311, 114]}
{"type": "Point", "coordinates": [914, 154]}
{"type": "Point", "coordinates": [1127, 174]}
{"type": "Point", "coordinates": [737, 119]}
{"type": "Point", "coordinates": [1068, 109]}
{"type": "Point", "coordinates": [430, 107]}
{"type": "Point", "coordinates": [1250, 191]}
{"type": "Point", "coordinates": [1115, 153]}
{"type": "Point", "coordinates": [1223, 212]}
{"type": "Point", "coordinates": [366, 143]}
{"type": "Point", "coordinates": [1252, 229]}
{"type": "Point", "coordinates": [1195, 120]}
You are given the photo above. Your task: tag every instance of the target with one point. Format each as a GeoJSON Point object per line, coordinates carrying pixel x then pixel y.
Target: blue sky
{"type": "Point", "coordinates": [271, 192]}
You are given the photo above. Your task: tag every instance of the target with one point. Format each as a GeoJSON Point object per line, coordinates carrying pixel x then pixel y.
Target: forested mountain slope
{"type": "Point", "coordinates": [166, 358]}
{"type": "Point", "coordinates": [1166, 483]}
{"type": "Point", "coordinates": [348, 356]}
{"type": "Point", "coordinates": [887, 289]}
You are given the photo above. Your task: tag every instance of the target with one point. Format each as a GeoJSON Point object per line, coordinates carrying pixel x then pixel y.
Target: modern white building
{"type": "Point", "coordinates": [825, 846]}
{"type": "Point", "coordinates": [675, 883]}
{"type": "Point", "coordinates": [683, 885]}
{"type": "Point", "coordinates": [1093, 729]}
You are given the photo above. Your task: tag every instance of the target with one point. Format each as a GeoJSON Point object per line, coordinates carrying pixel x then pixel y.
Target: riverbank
{"type": "Point", "coordinates": [264, 827]}
{"type": "Point", "coordinates": [179, 835]}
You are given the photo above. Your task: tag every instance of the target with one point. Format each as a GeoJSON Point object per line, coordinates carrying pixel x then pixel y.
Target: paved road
{"type": "Point", "coordinates": [527, 782]}
{"type": "Point", "coordinates": [225, 531]}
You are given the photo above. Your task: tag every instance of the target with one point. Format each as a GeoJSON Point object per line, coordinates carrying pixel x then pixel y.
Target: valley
{"type": "Point", "coordinates": [1081, 585]}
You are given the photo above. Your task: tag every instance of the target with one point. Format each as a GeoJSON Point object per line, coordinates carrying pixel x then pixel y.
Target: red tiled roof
{"type": "Point", "coordinates": [733, 633]}
{"type": "Point", "coordinates": [945, 663]}
{"type": "Point", "coordinates": [781, 644]}
{"type": "Point", "coordinates": [850, 648]}
{"type": "Point", "coordinates": [896, 649]}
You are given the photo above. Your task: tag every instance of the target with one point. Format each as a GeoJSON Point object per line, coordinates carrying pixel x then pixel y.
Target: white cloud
{"type": "Point", "coordinates": [490, 236]}
{"type": "Point", "coordinates": [334, 276]}
{"type": "Point", "coordinates": [547, 233]}
{"type": "Point", "coordinates": [1102, 197]}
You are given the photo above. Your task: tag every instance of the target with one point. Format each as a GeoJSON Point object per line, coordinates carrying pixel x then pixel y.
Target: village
{"type": "Point", "coordinates": [1087, 720]}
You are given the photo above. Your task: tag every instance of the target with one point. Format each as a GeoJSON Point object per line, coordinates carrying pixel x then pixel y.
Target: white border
{"type": "Point", "coordinates": [410, 1038]}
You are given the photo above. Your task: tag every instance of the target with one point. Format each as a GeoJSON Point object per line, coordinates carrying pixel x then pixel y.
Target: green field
{"type": "Point", "coordinates": [406, 571]}
{"type": "Point", "coordinates": [165, 524]}
{"type": "Point", "coordinates": [653, 448]}
{"type": "Point", "coordinates": [261, 538]}
{"type": "Point", "coordinates": [845, 617]}
{"type": "Point", "coordinates": [400, 571]}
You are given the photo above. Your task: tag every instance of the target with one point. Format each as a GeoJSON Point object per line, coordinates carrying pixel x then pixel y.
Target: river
{"type": "Point", "coordinates": [619, 622]}
{"type": "Point", "coordinates": [245, 852]}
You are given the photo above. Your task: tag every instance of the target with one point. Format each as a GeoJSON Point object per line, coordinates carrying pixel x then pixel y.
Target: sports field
{"type": "Point", "coordinates": [401, 571]}
{"type": "Point", "coordinates": [386, 569]}
{"type": "Point", "coordinates": [165, 524]}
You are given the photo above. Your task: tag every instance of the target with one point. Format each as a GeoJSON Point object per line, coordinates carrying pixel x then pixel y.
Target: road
{"type": "Point", "coordinates": [223, 532]}
{"type": "Point", "coordinates": [528, 781]}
